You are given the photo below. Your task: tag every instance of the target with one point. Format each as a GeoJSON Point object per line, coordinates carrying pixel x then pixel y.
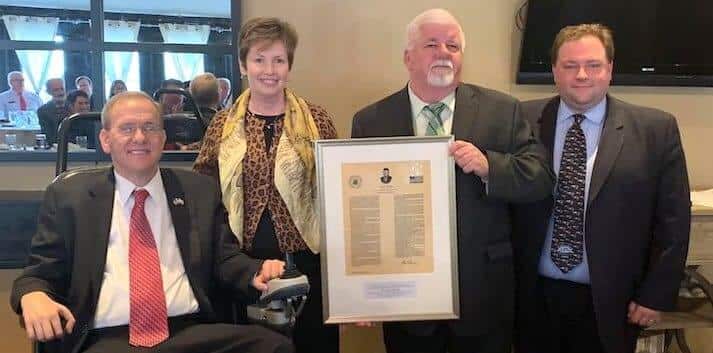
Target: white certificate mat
{"type": "Point", "coordinates": [388, 248]}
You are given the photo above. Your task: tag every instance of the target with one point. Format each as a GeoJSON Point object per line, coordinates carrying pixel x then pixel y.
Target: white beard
{"type": "Point", "coordinates": [441, 80]}
{"type": "Point", "coordinates": [437, 80]}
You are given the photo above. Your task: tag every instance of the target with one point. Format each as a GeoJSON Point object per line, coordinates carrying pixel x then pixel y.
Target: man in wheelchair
{"type": "Point", "coordinates": [126, 259]}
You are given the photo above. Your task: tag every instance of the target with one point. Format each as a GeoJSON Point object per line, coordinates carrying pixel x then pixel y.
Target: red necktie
{"type": "Point", "coordinates": [148, 321]}
{"type": "Point", "coordinates": [23, 102]}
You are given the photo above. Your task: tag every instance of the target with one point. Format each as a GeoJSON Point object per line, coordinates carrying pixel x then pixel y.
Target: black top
{"type": "Point", "coordinates": [269, 128]}
{"type": "Point", "coordinates": [265, 245]}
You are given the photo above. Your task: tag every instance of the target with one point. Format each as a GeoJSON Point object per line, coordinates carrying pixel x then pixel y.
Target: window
{"type": "Point", "coordinates": [144, 43]}
{"type": "Point", "coordinates": [38, 66]}
{"type": "Point", "coordinates": [122, 66]}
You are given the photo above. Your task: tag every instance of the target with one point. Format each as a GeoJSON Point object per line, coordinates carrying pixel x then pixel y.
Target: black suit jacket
{"type": "Point", "coordinates": [49, 119]}
{"type": "Point", "coordinates": [637, 221]}
{"type": "Point", "coordinates": [68, 252]}
{"type": "Point", "coordinates": [518, 173]}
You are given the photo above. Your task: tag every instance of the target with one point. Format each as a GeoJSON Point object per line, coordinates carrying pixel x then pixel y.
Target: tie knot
{"type": "Point", "coordinates": [436, 108]}
{"type": "Point", "coordinates": [140, 196]}
{"type": "Point", "coordinates": [578, 118]}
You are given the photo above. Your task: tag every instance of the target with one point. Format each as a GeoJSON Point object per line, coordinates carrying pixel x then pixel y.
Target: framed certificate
{"type": "Point", "coordinates": [389, 245]}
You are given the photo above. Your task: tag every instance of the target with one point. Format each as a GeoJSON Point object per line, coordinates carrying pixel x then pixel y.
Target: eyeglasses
{"type": "Point", "coordinates": [590, 68]}
{"type": "Point", "coordinates": [146, 129]}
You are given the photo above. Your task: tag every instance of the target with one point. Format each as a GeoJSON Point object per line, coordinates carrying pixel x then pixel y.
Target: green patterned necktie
{"type": "Point", "coordinates": [433, 116]}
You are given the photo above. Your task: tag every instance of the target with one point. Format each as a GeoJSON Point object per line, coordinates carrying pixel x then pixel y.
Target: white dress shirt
{"type": "Point", "coordinates": [10, 102]}
{"type": "Point", "coordinates": [420, 120]}
{"type": "Point", "coordinates": [113, 306]}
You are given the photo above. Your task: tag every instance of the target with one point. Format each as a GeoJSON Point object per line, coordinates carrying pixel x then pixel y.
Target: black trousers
{"type": "Point", "coordinates": [568, 322]}
{"type": "Point", "coordinates": [310, 334]}
{"type": "Point", "coordinates": [398, 340]}
{"type": "Point", "coordinates": [188, 335]}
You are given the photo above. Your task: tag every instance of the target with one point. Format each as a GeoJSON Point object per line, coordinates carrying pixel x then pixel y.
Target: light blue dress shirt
{"type": "Point", "coordinates": [592, 127]}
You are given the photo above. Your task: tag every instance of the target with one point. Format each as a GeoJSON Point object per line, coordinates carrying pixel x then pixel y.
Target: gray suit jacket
{"type": "Point", "coordinates": [518, 173]}
{"type": "Point", "coordinates": [637, 220]}
{"type": "Point", "coordinates": [68, 252]}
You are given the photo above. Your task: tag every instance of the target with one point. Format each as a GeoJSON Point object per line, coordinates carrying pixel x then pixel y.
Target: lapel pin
{"type": "Point", "coordinates": [178, 201]}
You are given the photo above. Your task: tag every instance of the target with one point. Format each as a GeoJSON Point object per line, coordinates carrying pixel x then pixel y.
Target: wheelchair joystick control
{"type": "Point", "coordinates": [283, 301]}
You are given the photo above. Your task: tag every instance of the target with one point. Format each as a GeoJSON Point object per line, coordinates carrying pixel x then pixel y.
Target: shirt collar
{"type": "Point", "coordinates": [417, 104]}
{"type": "Point", "coordinates": [594, 114]}
{"type": "Point", "coordinates": [126, 187]}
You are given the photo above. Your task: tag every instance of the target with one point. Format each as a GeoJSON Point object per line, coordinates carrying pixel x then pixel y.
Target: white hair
{"type": "Point", "coordinates": [11, 73]}
{"type": "Point", "coordinates": [223, 79]}
{"type": "Point", "coordinates": [439, 16]}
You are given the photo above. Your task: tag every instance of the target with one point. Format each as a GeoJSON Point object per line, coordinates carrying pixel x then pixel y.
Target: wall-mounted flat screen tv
{"type": "Point", "coordinates": [657, 42]}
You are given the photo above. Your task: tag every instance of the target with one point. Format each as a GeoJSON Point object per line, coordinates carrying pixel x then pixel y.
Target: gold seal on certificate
{"type": "Point", "coordinates": [388, 229]}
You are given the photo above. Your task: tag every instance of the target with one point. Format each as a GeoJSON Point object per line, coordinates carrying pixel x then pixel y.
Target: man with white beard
{"type": "Point", "coordinates": [499, 162]}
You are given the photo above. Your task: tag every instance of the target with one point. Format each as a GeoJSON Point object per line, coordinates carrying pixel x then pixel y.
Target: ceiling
{"type": "Point", "coordinates": [202, 8]}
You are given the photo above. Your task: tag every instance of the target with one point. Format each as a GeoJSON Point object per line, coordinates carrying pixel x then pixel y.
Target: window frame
{"type": "Point", "coordinates": [96, 45]}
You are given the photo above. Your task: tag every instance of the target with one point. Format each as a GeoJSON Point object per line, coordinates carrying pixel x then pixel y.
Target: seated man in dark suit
{"type": "Point", "coordinates": [53, 112]}
{"type": "Point", "coordinates": [127, 259]}
{"type": "Point", "coordinates": [78, 102]}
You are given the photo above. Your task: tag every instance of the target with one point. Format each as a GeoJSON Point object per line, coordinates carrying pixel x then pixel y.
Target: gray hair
{"type": "Point", "coordinates": [440, 16]}
{"type": "Point", "coordinates": [11, 73]}
{"type": "Point", "coordinates": [205, 90]}
{"type": "Point", "coordinates": [109, 106]}
{"type": "Point", "coordinates": [47, 84]}
{"type": "Point", "coordinates": [224, 79]}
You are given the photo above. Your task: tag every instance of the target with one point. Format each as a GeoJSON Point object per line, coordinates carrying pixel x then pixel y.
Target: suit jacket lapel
{"type": "Point", "coordinates": [178, 205]}
{"type": "Point", "coordinates": [401, 114]}
{"type": "Point", "coordinates": [610, 143]}
{"type": "Point", "coordinates": [548, 124]}
{"type": "Point", "coordinates": [466, 109]}
{"type": "Point", "coordinates": [99, 214]}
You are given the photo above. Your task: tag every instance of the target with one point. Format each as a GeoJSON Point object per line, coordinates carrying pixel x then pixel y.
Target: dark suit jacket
{"type": "Point", "coordinates": [49, 119]}
{"type": "Point", "coordinates": [68, 251]}
{"type": "Point", "coordinates": [637, 220]}
{"type": "Point", "coordinates": [492, 122]}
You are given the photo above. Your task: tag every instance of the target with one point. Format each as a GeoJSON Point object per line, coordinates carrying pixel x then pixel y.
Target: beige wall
{"type": "Point", "coordinates": [350, 54]}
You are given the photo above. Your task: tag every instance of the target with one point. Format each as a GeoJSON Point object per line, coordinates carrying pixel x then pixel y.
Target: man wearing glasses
{"type": "Point", "coordinates": [128, 259]}
{"type": "Point", "coordinates": [17, 98]}
{"type": "Point", "coordinates": [603, 257]}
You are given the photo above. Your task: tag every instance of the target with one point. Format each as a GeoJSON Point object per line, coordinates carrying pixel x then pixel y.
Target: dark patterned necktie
{"type": "Point", "coordinates": [568, 229]}
{"type": "Point", "coordinates": [433, 116]}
